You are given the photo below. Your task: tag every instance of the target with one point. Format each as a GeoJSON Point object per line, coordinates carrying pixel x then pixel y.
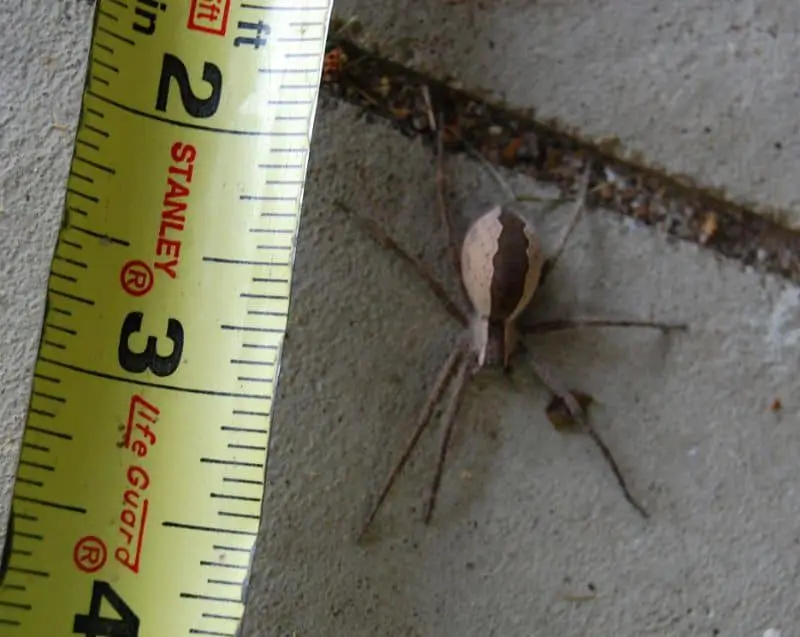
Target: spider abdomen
{"type": "Point", "coordinates": [501, 262]}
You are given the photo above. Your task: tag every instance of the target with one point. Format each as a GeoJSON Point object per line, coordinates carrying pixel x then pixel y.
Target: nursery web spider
{"type": "Point", "coordinates": [500, 265]}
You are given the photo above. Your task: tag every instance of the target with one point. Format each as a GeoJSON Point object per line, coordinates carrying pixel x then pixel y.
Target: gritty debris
{"type": "Point", "coordinates": [516, 140]}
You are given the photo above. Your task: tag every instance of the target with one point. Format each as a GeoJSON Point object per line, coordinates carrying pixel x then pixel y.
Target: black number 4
{"type": "Point", "coordinates": [94, 625]}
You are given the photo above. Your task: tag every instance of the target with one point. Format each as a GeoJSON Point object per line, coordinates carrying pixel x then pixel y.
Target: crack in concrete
{"type": "Point", "coordinates": [515, 139]}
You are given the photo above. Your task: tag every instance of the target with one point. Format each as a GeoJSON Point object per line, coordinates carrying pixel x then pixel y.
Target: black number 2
{"type": "Point", "coordinates": [138, 362]}
{"type": "Point", "coordinates": [172, 67]}
{"type": "Point", "coordinates": [94, 625]}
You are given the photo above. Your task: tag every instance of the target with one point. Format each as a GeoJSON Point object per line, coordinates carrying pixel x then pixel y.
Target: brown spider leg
{"type": "Point", "coordinates": [444, 210]}
{"type": "Point", "coordinates": [580, 417]}
{"type": "Point", "coordinates": [577, 213]}
{"type": "Point", "coordinates": [382, 238]}
{"type": "Point", "coordinates": [558, 325]}
{"type": "Point", "coordinates": [461, 379]}
{"type": "Point", "coordinates": [445, 373]}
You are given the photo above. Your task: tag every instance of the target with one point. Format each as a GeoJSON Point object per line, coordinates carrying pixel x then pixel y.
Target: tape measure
{"type": "Point", "coordinates": [139, 488]}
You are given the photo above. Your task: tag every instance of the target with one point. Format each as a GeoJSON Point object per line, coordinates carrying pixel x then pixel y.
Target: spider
{"type": "Point", "coordinates": [500, 265]}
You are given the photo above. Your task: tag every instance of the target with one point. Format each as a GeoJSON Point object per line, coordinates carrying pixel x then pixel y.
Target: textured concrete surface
{"type": "Point", "coordinates": [531, 536]}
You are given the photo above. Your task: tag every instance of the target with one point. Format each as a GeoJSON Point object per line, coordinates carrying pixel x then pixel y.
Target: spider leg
{"type": "Point", "coordinates": [579, 416]}
{"type": "Point", "coordinates": [577, 213]}
{"type": "Point", "coordinates": [558, 325]}
{"type": "Point", "coordinates": [444, 210]}
{"type": "Point", "coordinates": [384, 239]}
{"type": "Point", "coordinates": [445, 373]}
{"type": "Point", "coordinates": [462, 377]}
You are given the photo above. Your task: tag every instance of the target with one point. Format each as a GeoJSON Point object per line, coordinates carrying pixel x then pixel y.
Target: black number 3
{"type": "Point", "coordinates": [138, 362]}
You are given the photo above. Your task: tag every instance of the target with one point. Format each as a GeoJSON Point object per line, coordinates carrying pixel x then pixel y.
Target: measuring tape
{"type": "Point", "coordinates": [138, 493]}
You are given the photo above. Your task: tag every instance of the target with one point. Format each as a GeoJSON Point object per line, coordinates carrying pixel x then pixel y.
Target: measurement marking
{"type": "Point", "coordinates": [306, 24]}
{"type": "Point", "coordinates": [232, 463]}
{"type": "Point", "coordinates": [266, 246]}
{"type": "Point", "coordinates": [245, 328]}
{"type": "Point", "coordinates": [239, 361]}
{"type": "Point", "coordinates": [16, 605]}
{"type": "Point", "coordinates": [28, 536]}
{"type": "Point", "coordinates": [223, 565]}
{"type": "Point", "coordinates": [119, 37]}
{"type": "Point", "coordinates": [271, 230]}
{"type": "Point", "coordinates": [288, 71]}
{"type": "Point", "coordinates": [142, 383]}
{"type": "Point", "coordinates": [26, 516]}
{"type": "Point", "coordinates": [94, 164]}
{"type": "Point", "coordinates": [281, 166]}
{"type": "Point", "coordinates": [22, 552]}
{"type": "Point", "coordinates": [120, 3]}
{"type": "Point", "coordinates": [9, 622]}
{"type": "Point", "coordinates": [288, 150]}
{"type": "Point", "coordinates": [28, 571]}
{"type": "Point", "coordinates": [280, 215]}
{"type": "Point", "coordinates": [42, 412]}
{"type": "Point", "coordinates": [60, 310]}
{"type": "Point", "coordinates": [260, 414]}
{"type": "Point", "coordinates": [290, 102]}
{"type": "Point", "coordinates": [258, 483]}
{"type": "Point", "coordinates": [79, 211]}
{"type": "Point", "coordinates": [246, 447]}
{"type": "Point", "coordinates": [35, 447]}
{"type": "Point", "coordinates": [97, 78]}
{"type": "Point", "coordinates": [228, 496]}
{"type": "Point", "coordinates": [261, 7]}
{"type": "Point", "coordinates": [210, 598]}
{"type": "Point", "coordinates": [15, 587]}
{"type": "Point", "coordinates": [49, 432]}
{"type": "Point", "coordinates": [238, 549]}
{"type": "Point", "coordinates": [51, 379]}
{"type": "Point", "coordinates": [225, 582]}
{"type": "Point", "coordinates": [209, 633]}
{"type": "Point", "coordinates": [94, 112]}
{"type": "Point", "coordinates": [83, 195]}
{"type": "Point", "coordinates": [60, 328]}
{"type": "Point", "coordinates": [244, 430]}
{"type": "Point", "coordinates": [94, 129]}
{"type": "Point", "coordinates": [105, 65]}
{"type": "Point", "coordinates": [258, 346]}
{"type": "Point", "coordinates": [243, 516]}
{"type": "Point", "coordinates": [37, 465]}
{"type": "Point", "coordinates": [72, 244]}
{"type": "Point", "coordinates": [253, 379]}
{"type": "Point", "coordinates": [102, 237]}
{"type": "Point", "coordinates": [71, 297]}
{"type": "Point", "coordinates": [267, 198]}
{"type": "Point", "coordinates": [270, 297]}
{"type": "Point", "coordinates": [77, 175]}
{"type": "Point", "coordinates": [207, 529]}
{"type": "Point", "coordinates": [213, 129]}
{"type": "Point", "coordinates": [291, 118]}
{"type": "Point", "coordinates": [270, 280]}
{"type": "Point", "coordinates": [75, 262]}
{"type": "Point", "coordinates": [33, 483]}
{"type": "Point", "coordinates": [236, 261]}
{"type": "Point", "coordinates": [64, 277]}
{"type": "Point", "coordinates": [54, 344]}
{"type": "Point", "coordinates": [53, 505]}
{"type": "Point", "coordinates": [232, 618]}
{"type": "Point", "coordinates": [108, 15]}
{"type": "Point", "coordinates": [105, 48]}
{"type": "Point", "coordinates": [88, 144]}
{"type": "Point", "coordinates": [302, 55]}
